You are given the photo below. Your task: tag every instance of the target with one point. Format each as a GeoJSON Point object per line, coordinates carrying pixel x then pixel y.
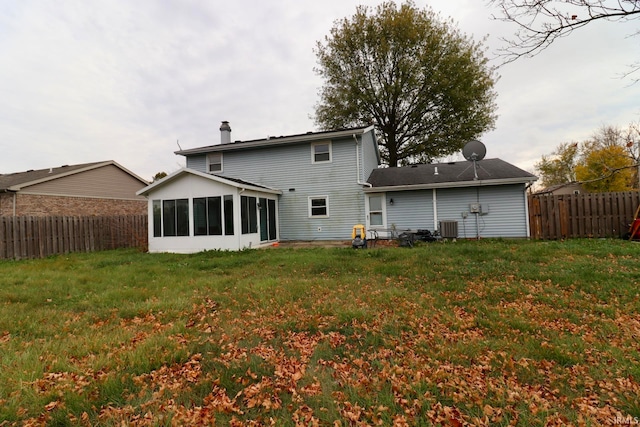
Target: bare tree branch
{"type": "Point", "coordinates": [541, 22]}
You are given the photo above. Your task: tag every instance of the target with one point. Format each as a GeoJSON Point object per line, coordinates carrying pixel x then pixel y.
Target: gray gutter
{"type": "Point", "coordinates": [458, 184]}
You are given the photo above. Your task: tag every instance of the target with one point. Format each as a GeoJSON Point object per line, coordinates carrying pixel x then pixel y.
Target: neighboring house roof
{"type": "Point", "coordinates": [238, 183]}
{"type": "Point", "coordinates": [453, 174]}
{"type": "Point", "coordinates": [566, 188]}
{"type": "Point", "coordinates": [278, 140]}
{"type": "Point", "coordinates": [19, 180]}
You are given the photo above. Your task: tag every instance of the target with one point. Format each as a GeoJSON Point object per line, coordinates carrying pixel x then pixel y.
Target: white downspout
{"type": "Point", "coordinates": [526, 212]}
{"type": "Point", "coordinates": [435, 210]}
{"type": "Point", "coordinates": [355, 138]}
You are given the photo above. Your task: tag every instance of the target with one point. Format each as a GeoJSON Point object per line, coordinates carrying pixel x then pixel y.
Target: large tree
{"type": "Point", "coordinates": [427, 87]}
{"type": "Point", "coordinates": [541, 22]}
{"type": "Point", "coordinates": [608, 161]}
{"type": "Point", "coordinates": [605, 168]}
{"type": "Point", "coordinates": [560, 166]}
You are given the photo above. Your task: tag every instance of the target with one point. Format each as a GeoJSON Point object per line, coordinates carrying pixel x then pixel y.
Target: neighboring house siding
{"type": "Point", "coordinates": [506, 205]}
{"type": "Point", "coordinates": [410, 210]}
{"type": "Point", "coordinates": [289, 167]}
{"type": "Point", "coordinates": [105, 182]}
{"type": "Point", "coordinates": [47, 205]}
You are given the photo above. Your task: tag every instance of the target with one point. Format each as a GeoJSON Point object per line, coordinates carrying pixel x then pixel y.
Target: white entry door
{"type": "Point", "coordinates": [376, 212]}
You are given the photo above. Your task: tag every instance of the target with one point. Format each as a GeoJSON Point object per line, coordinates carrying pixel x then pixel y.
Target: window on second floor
{"type": "Point", "coordinates": [321, 152]}
{"type": "Point", "coordinates": [214, 162]}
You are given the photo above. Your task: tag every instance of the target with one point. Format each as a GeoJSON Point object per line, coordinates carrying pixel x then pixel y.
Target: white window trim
{"type": "Point", "coordinates": [383, 211]}
{"type": "Point", "coordinates": [313, 152]}
{"type": "Point", "coordinates": [326, 201]}
{"type": "Point", "coordinates": [221, 163]}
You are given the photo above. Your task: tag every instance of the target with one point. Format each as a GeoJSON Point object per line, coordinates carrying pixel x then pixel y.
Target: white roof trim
{"type": "Point", "coordinates": [453, 184]}
{"type": "Point", "coordinates": [187, 171]}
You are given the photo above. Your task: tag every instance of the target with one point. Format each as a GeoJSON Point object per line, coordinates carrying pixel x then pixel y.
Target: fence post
{"type": "Point", "coordinates": [3, 238]}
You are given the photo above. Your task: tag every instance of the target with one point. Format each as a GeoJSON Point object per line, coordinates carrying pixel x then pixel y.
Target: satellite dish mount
{"type": "Point", "coordinates": [474, 151]}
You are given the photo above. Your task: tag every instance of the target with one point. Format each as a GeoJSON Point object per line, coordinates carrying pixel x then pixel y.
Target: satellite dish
{"type": "Point", "coordinates": [474, 150]}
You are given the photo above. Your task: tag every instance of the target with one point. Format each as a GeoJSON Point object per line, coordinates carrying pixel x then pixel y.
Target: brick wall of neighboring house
{"type": "Point", "coordinates": [5, 204]}
{"type": "Point", "coordinates": [43, 205]}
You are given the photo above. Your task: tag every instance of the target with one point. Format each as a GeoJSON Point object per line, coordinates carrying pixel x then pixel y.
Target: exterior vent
{"type": "Point", "coordinates": [449, 229]}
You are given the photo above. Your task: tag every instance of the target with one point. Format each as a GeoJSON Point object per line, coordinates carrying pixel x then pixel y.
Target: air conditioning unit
{"type": "Point", "coordinates": [449, 229]}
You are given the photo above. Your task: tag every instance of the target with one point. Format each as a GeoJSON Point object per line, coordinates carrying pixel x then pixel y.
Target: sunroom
{"type": "Point", "coordinates": [191, 211]}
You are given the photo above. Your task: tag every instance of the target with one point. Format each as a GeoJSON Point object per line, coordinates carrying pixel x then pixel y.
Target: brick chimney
{"type": "Point", "coordinates": [225, 133]}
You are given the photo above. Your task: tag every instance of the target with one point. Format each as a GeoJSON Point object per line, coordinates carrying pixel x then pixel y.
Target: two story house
{"type": "Point", "coordinates": [245, 194]}
{"type": "Point", "coordinates": [317, 186]}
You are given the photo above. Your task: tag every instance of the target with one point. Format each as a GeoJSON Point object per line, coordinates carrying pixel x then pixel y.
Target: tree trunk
{"type": "Point", "coordinates": [392, 147]}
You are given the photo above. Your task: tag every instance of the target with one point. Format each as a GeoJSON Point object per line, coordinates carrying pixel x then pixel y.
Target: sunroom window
{"type": "Point", "coordinates": [207, 216]}
{"type": "Point", "coordinates": [249, 214]}
{"type": "Point", "coordinates": [175, 217]}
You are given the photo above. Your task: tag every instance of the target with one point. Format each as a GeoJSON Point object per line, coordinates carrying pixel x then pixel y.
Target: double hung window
{"type": "Point", "coordinates": [375, 211]}
{"type": "Point", "coordinates": [319, 207]}
{"type": "Point", "coordinates": [214, 162]}
{"type": "Point", "coordinates": [321, 152]}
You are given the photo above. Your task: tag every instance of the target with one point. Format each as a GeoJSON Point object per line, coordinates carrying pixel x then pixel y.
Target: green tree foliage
{"type": "Point", "coordinates": [606, 162]}
{"type": "Point", "coordinates": [427, 87]}
{"type": "Point", "coordinates": [159, 176]}
{"type": "Point", "coordinates": [605, 168]}
{"type": "Point", "coordinates": [559, 167]}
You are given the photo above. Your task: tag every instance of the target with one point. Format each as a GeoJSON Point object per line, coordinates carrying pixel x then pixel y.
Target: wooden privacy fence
{"type": "Point", "coordinates": [582, 215]}
{"type": "Point", "coordinates": [38, 237]}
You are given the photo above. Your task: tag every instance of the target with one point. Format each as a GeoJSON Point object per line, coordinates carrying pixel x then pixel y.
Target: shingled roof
{"type": "Point", "coordinates": [15, 181]}
{"type": "Point", "coordinates": [276, 140]}
{"type": "Point", "coordinates": [453, 174]}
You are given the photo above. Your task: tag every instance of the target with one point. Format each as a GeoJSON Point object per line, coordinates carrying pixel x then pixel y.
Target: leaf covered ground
{"type": "Point", "coordinates": [473, 333]}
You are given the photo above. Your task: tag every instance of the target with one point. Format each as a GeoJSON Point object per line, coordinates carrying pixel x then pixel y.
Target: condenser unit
{"type": "Point", "coordinates": [449, 229]}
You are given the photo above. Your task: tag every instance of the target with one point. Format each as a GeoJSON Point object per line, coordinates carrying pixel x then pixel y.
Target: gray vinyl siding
{"type": "Point", "coordinates": [290, 169]}
{"type": "Point", "coordinates": [369, 156]}
{"type": "Point", "coordinates": [506, 206]}
{"type": "Point", "coordinates": [410, 210]}
{"type": "Point", "coordinates": [199, 162]}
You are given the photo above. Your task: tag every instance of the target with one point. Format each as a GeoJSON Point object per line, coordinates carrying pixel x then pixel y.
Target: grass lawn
{"type": "Point", "coordinates": [467, 333]}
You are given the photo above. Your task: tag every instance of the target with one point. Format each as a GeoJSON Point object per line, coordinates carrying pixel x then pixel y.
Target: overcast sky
{"type": "Point", "coordinates": [84, 81]}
